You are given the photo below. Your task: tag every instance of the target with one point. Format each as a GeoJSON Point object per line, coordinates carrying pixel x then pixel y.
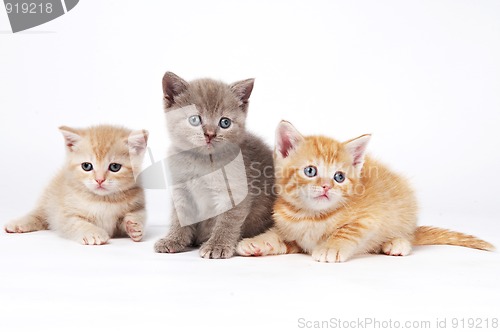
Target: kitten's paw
{"type": "Point", "coordinates": [25, 225]}
{"type": "Point", "coordinates": [15, 228]}
{"type": "Point", "coordinates": [252, 247]}
{"type": "Point", "coordinates": [167, 245]}
{"type": "Point", "coordinates": [331, 255]}
{"type": "Point", "coordinates": [397, 247]}
{"type": "Point", "coordinates": [94, 237]}
{"type": "Point", "coordinates": [134, 230]}
{"type": "Point", "coordinates": [209, 250]}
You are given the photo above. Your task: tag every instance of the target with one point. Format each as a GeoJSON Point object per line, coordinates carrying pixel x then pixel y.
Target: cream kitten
{"type": "Point", "coordinates": [335, 203]}
{"type": "Point", "coordinates": [94, 196]}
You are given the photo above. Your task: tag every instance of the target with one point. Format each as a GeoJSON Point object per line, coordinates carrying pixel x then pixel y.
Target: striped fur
{"type": "Point", "coordinates": [76, 205]}
{"type": "Point", "coordinates": [372, 210]}
{"type": "Point", "coordinates": [434, 235]}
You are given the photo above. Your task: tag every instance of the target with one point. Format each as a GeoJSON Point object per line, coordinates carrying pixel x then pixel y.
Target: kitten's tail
{"type": "Point", "coordinates": [433, 235]}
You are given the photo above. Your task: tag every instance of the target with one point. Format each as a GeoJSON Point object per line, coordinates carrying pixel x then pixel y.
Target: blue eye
{"type": "Point", "coordinates": [114, 167]}
{"type": "Point", "coordinates": [87, 167]}
{"type": "Point", "coordinates": [310, 171]}
{"type": "Point", "coordinates": [225, 123]}
{"type": "Point", "coordinates": [339, 177]}
{"type": "Point", "coordinates": [195, 120]}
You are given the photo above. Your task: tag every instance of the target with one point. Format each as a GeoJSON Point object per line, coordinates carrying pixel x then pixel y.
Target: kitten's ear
{"type": "Point", "coordinates": [287, 139]}
{"type": "Point", "coordinates": [172, 86]}
{"type": "Point", "coordinates": [71, 137]}
{"type": "Point", "coordinates": [137, 142]}
{"type": "Point", "coordinates": [357, 149]}
{"type": "Point", "coordinates": [243, 90]}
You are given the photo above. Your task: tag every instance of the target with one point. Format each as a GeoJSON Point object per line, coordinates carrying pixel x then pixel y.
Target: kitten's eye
{"type": "Point", "coordinates": [310, 171]}
{"type": "Point", "coordinates": [195, 120]}
{"type": "Point", "coordinates": [114, 167]}
{"type": "Point", "coordinates": [339, 177]}
{"type": "Point", "coordinates": [225, 123]}
{"type": "Point", "coordinates": [87, 167]}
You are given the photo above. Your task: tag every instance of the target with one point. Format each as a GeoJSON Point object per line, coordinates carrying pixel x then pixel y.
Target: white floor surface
{"type": "Point", "coordinates": [52, 284]}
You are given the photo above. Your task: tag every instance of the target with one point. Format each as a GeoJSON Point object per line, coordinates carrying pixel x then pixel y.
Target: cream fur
{"type": "Point", "coordinates": [79, 208]}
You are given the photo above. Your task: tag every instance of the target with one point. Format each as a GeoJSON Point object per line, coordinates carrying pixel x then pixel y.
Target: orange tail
{"type": "Point", "coordinates": [434, 235]}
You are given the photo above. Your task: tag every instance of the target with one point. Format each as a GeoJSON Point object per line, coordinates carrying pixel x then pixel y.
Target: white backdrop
{"type": "Point", "coordinates": [422, 76]}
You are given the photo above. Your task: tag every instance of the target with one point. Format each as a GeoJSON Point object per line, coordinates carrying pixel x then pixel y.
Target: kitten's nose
{"type": "Point", "coordinates": [326, 187]}
{"type": "Point", "coordinates": [100, 181]}
{"type": "Point", "coordinates": [209, 135]}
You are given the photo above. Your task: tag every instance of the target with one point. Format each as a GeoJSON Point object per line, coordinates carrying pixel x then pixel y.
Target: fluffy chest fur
{"type": "Point", "coordinates": [296, 225]}
{"type": "Point", "coordinates": [105, 215]}
{"type": "Point", "coordinates": [204, 186]}
{"type": "Point", "coordinates": [306, 234]}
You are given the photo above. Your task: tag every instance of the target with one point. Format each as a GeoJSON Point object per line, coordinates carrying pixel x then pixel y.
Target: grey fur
{"type": "Point", "coordinates": [219, 235]}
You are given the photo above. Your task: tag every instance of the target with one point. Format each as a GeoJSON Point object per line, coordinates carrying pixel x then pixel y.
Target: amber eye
{"type": "Point", "coordinates": [339, 177]}
{"type": "Point", "coordinates": [310, 171]}
{"type": "Point", "coordinates": [87, 167]}
{"type": "Point", "coordinates": [114, 167]}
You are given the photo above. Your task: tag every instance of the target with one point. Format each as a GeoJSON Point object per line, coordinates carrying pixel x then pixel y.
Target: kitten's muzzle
{"type": "Point", "coordinates": [100, 182]}
{"type": "Point", "coordinates": [209, 136]}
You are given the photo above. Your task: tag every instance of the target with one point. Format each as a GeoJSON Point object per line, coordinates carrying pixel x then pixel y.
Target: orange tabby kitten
{"type": "Point", "coordinates": [95, 195]}
{"type": "Point", "coordinates": [335, 203]}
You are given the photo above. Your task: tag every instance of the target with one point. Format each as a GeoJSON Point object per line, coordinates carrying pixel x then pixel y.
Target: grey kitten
{"type": "Point", "coordinates": [206, 125]}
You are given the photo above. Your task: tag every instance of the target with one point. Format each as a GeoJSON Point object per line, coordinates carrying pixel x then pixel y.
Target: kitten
{"type": "Point", "coordinates": [212, 155]}
{"type": "Point", "coordinates": [335, 203]}
{"type": "Point", "coordinates": [94, 196]}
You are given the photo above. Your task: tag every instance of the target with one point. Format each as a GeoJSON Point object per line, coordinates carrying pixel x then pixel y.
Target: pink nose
{"type": "Point", "coordinates": [326, 187]}
{"type": "Point", "coordinates": [209, 135]}
{"type": "Point", "coordinates": [99, 181]}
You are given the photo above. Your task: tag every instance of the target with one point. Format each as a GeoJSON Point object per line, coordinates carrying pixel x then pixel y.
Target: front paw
{"type": "Point", "coordinates": [25, 224]}
{"type": "Point", "coordinates": [93, 237]}
{"type": "Point", "coordinates": [397, 247]}
{"type": "Point", "coordinates": [331, 254]}
{"type": "Point", "coordinates": [134, 230]}
{"type": "Point", "coordinates": [253, 247]}
{"type": "Point", "coordinates": [15, 228]}
{"type": "Point", "coordinates": [167, 245]}
{"type": "Point", "coordinates": [210, 250]}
